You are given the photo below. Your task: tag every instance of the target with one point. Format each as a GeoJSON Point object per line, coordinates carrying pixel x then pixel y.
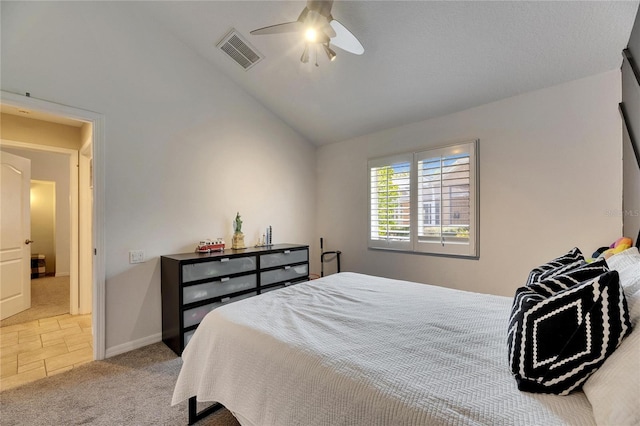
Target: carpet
{"type": "Point", "coordinates": [49, 297]}
{"type": "Point", "coordinates": [134, 388]}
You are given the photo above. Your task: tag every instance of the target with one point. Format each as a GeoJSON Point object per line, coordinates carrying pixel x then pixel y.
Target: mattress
{"type": "Point", "coordinates": [352, 349]}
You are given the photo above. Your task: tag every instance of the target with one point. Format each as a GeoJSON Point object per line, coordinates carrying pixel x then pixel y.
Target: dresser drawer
{"type": "Point", "coordinates": [217, 268]}
{"type": "Point", "coordinates": [286, 257]}
{"type": "Point", "coordinates": [194, 293]}
{"type": "Point", "coordinates": [288, 273]}
{"type": "Point", "coordinates": [195, 315]}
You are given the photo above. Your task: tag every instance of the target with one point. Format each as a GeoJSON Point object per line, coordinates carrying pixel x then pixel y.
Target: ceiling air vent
{"type": "Point", "coordinates": [234, 45]}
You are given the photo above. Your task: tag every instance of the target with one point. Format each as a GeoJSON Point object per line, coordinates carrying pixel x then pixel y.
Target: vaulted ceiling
{"type": "Point", "coordinates": [422, 59]}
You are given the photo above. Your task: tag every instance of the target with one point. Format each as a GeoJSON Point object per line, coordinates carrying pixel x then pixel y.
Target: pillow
{"type": "Point", "coordinates": [565, 262]}
{"type": "Point", "coordinates": [555, 280]}
{"type": "Point", "coordinates": [627, 264]}
{"type": "Point", "coordinates": [614, 389]}
{"type": "Point", "coordinates": [630, 281]}
{"type": "Point", "coordinates": [556, 342]}
{"type": "Point", "coordinates": [625, 258]}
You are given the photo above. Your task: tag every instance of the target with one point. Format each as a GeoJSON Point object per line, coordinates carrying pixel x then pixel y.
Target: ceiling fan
{"type": "Point", "coordinates": [319, 28]}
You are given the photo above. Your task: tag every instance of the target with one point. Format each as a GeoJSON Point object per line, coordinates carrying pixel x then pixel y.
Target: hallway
{"type": "Point", "coordinates": [49, 297]}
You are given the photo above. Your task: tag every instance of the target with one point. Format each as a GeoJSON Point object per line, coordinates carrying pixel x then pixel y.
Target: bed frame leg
{"type": "Point", "coordinates": [194, 416]}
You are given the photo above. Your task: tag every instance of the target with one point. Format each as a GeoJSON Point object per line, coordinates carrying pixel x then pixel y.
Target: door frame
{"type": "Point", "coordinates": [98, 131]}
{"type": "Point", "coordinates": [85, 242]}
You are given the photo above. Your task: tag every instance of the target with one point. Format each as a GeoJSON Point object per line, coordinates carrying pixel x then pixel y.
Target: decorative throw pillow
{"type": "Point", "coordinates": [558, 279]}
{"type": "Point", "coordinates": [555, 280]}
{"type": "Point", "coordinates": [563, 263]}
{"type": "Point", "coordinates": [556, 342]}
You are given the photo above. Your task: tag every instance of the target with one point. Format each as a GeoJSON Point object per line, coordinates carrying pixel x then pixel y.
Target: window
{"type": "Point", "coordinates": [390, 212]}
{"type": "Point", "coordinates": [426, 201]}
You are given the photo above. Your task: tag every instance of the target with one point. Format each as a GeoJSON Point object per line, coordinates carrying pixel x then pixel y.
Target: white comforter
{"type": "Point", "coordinates": [353, 349]}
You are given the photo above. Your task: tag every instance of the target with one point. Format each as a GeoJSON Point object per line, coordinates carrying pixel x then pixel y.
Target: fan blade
{"type": "Point", "coordinates": [287, 27]}
{"type": "Point", "coordinates": [345, 40]}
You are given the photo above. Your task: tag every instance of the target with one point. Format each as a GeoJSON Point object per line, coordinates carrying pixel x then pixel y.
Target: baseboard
{"type": "Point", "coordinates": [136, 344]}
{"type": "Point", "coordinates": [62, 274]}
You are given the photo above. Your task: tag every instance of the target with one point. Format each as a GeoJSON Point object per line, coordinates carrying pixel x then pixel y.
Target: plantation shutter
{"type": "Point", "coordinates": [390, 202]}
{"type": "Point", "coordinates": [446, 214]}
{"type": "Point", "coordinates": [426, 201]}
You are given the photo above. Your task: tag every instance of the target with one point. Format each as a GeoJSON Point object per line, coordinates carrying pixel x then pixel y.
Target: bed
{"type": "Point", "coordinates": [352, 349]}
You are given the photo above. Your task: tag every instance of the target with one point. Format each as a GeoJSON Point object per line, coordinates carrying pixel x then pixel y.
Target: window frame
{"type": "Point", "coordinates": [416, 244]}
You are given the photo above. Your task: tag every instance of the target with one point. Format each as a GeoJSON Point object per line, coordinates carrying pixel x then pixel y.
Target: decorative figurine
{"type": "Point", "coordinates": [237, 227]}
{"type": "Point", "coordinates": [208, 245]}
{"type": "Point", "coordinates": [238, 236]}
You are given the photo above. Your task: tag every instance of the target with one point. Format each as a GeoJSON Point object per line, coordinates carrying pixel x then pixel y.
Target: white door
{"type": "Point", "coordinates": [15, 229]}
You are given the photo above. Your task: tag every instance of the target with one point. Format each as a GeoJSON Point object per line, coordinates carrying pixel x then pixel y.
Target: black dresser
{"type": "Point", "coordinates": [193, 284]}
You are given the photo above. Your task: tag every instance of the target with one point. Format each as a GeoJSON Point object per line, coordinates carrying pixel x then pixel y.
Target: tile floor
{"type": "Point", "coordinates": [44, 347]}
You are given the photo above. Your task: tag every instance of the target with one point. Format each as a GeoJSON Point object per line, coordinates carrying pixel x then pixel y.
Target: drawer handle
{"type": "Point", "coordinates": [225, 299]}
{"type": "Point", "coordinates": [287, 251]}
{"type": "Point", "coordinates": [287, 267]}
{"type": "Point", "coordinates": [224, 279]}
{"type": "Point", "coordinates": [225, 259]}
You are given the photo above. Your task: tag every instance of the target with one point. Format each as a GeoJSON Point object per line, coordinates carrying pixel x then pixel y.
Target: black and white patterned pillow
{"type": "Point", "coordinates": [556, 342]}
{"type": "Point", "coordinates": [555, 280]}
{"type": "Point", "coordinates": [561, 264]}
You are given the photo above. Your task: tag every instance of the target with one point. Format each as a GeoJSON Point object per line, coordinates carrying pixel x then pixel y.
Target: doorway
{"type": "Point", "coordinates": [51, 276]}
{"type": "Point", "coordinates": [50, 284]}
{"type": "Point", "coordinates": [50, 313]}
{"type": "Point", "coordinates": [57, 240]}
{"type": "Point", "coordinates": [87, 235]}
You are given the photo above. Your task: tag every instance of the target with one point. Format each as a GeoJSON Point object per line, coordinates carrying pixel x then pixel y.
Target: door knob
{"type": "Point", "coordinates": [28, 241]}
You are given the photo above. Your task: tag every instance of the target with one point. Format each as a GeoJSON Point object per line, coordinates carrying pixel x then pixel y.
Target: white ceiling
{"type": "Point", "coordinates": [422, 59]}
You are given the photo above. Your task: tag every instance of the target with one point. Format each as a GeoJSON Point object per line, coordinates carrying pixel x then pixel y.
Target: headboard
{"type": "Point", "coordinates": [630, 111]}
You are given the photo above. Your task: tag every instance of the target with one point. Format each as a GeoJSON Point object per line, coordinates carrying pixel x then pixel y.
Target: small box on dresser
{"type": "Point", "coordinates": [193, 284]}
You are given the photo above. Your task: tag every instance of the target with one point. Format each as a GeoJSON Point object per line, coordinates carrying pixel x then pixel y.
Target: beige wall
{"type": "Point", "coordinates": [549, 172]}
{"type": "Point", "coordinates": [43, 206]}
{"type": "Point", "coordinates": [17, 128]}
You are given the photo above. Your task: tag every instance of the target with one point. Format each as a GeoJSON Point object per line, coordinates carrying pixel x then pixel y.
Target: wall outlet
{"type": "Point", "coordinates": [136, 256]}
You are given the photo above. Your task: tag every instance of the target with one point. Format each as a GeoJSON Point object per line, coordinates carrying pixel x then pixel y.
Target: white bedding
{"type": "Point", "coordinates": [353, 349]}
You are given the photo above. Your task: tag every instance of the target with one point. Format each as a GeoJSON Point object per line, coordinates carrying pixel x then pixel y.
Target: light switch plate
{"type": "Point", "coordinates": [136, 256]}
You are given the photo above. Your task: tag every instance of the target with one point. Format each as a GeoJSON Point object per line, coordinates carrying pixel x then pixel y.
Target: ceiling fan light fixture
{"type": "Point", "coordinates": [305, 55]}
{"type": "Point", "coordinates": [317, 26]}
{"type": "Point", "coordinates": [311, 35]}
{"type": "Point", "coordinates": [330, 53]}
